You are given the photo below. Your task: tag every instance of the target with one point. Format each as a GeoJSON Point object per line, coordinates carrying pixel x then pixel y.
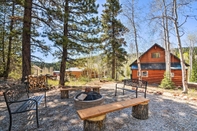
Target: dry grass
{"type": "Point", "coordinates": [70, 83]}
{"type": "Point", "coordinates": [192, 91]}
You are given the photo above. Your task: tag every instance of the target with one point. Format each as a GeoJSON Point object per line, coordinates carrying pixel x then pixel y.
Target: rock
{"type": "Point", "coordinates": [192, 98]}
{"type": "Point", "coordinates": [181, 95]}
{"type": "Point", "coordinates": [150, 91]}
{"type": "Point", "coordinates": [175, 94]}
{"type": "Point", "coordinates": [159, 93]}
{"type": "Point", "coordinates": [184, 97]}
{"type": "Point", "coordinates": [167, 94]}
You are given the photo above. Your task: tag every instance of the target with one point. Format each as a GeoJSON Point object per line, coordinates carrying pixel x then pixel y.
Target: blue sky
{"type": "Point", "coordinates": [50, 58]}
{"type": "Point", "coordinates": [149, 39]}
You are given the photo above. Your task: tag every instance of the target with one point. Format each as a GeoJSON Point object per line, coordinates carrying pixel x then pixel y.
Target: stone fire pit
{"type": "Point", "coordinates": [88, 99]}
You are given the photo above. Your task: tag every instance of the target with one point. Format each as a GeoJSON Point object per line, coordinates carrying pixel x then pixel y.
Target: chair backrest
{"type": "Point", "coordinates": [14, 93]}
{"type": "Point", "coordinates": [135, 83]}
{"type": "Point", "coordinates": [142, 84]}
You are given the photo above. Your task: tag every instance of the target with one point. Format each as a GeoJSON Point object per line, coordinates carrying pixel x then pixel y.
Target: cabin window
{"type": "Point", "coordinates": [155, 55]}
{"type": "Point", "coordinates": [143, 73]}
{"type": "Point", "coordinates": [172, 74]}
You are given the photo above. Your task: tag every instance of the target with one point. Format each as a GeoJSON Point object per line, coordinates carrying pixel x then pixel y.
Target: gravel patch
{"type": "Point", "coordinates": [165, 114]}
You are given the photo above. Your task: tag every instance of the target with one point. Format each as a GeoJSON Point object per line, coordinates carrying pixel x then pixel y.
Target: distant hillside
{"type": "Point", "coordinates": [81, 61]}
{"type": "Point", "coordinates": [56, 66]}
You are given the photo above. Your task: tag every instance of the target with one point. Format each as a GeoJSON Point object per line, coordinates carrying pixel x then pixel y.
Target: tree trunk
{"type": "Point", "coordinates": [64, 46]}
{"type": "Point", "coordinates": [95, 124]}
{"type": "Point", "coordinates": [63, 66]}
{"type": "Point", "coordinates": [166, 41]}
{"type": "Point", "coordinates": [114, 52]}
{"type": "Point", "coordinates": [9, 44]}
{"type": "Point", "coordinates": [3, 42]}
{"type": "Point", "coordinates": [26, 37]}
{"type": "Point", "coordinates": [131, 17]}
{"type": "Point", "coordinates": [113, 66]}
{"type": "Point", "coordinates": [140, 111]}
{"type": "Point", "coordinates": [184, 75]}
{"type": "Point", "coordinates": [136, 42]}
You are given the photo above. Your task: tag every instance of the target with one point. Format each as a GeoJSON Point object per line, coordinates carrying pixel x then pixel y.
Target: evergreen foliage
{"type": "Point", "coordinates": [194, 72]}
{"type": "Point", "coordinates": [73, 30]}
{"type": "Point", "coordinates": [166, 82]}
{"type": "Point", "coordinates": [10, 38]}
{"type": "Point", "coordinates": [113, 44]}
{"type": "Point", "coordinates": [81, 25]}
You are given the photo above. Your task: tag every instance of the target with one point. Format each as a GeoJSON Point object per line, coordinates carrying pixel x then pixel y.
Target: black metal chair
{"type": "Point", "coordinates": [15, 95]}
{"type": "Point", "coordinates": [135, 84]}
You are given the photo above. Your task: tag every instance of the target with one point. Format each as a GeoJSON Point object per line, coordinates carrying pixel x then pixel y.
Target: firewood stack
{"type": "Point", "coordinates": [42, 82]}
{"type": "Point", "coordinates": [37, 82]}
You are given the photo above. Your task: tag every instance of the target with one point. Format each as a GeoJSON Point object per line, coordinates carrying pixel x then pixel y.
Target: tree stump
{"type": "Point", "coordinates": [140, 111]}
{"type": "Point", "coordinates": [64, 94]}
{"type": "Point", "coordinates": [94, 124]}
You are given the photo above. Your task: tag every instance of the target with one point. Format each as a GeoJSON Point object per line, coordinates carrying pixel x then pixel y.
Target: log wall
{"type": "Point", "coordinates": [146, 58]}
{"type": "Point", "coordinates": [156, 76]}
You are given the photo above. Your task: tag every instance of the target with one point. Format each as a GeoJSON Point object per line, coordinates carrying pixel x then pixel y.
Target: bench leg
{"type": "Point", "coordinates": [37, 118]}
{"type": "Point", "coordinates": [123, 88]}
{"type": "Point", "coordinates": [64, 94]}
{"type": "Point", "coordinates": [45, 99]}
{"type": "Point", "coordinates": [116, 90]}
{"type": "Point", "coordinates": [94, 124]}
{"type": "Point", "coordinates": [140, 111]}
{"type": "Point", "coordinates": [145, 93]}
{"type": "Point", "coordinates": [10, 126]}
{"type": "Point", "coordinates": [136, 93]}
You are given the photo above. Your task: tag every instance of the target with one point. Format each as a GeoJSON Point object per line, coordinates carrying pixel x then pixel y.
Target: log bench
{"type": "Point", "coordinates": [94, 117]}
{"type": "Point", "coordinates": [18, 101]}
{"type": "Point", "coordinates": [132, 85]}
{"type": "Point", "coordinates": [66, 89]}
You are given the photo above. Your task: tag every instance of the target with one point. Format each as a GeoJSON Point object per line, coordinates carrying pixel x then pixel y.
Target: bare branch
{"type": "Point", "coordinates": [184, 21]}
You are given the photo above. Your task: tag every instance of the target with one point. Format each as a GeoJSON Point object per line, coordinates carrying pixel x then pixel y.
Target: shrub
{"type": "Point", "coordinates": [85, 79]}
{"type": "Point", "coordinates": [193, 77]}
{"type": "Point", "coordinates": [167, 83]}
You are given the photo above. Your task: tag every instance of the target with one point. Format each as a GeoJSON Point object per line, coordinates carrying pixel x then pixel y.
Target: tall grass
{"type": "Point", "coordinates": [69, 83]}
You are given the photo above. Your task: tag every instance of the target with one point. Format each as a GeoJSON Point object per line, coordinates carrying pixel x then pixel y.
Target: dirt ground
{"type": "Point", "coordinates": [166, 113]}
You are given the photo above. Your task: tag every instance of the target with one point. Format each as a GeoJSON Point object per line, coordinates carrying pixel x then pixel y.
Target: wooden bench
{"type": "Point", "coordinates": [132, 85]}
{"type": "Point", "coordinates": [65, 89]}
{"type": "Point", "coordinates": [94, 117]}
{"type": "Point", "coordinates": [18, 101]}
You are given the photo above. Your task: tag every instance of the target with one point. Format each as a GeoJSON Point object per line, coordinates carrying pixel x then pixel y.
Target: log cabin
{"type": "Point", "coordinates": [153, 66]}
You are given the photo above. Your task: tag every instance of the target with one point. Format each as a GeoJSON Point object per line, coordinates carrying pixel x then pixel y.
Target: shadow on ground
{"type": "Point", "coordinates": [60, 115]}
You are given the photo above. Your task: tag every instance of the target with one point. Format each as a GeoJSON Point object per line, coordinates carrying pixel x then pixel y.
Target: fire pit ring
{"type": "Point", "coordinates": [82, 104]}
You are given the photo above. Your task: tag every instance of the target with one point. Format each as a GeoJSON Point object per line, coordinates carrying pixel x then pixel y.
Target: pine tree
{"type": "Point", "coordinates": [34, 18]}
{"type": "Point", "coordinates": [113, 29]}
{"type": "Point", "coordinates": [3, 25]}
{"type": "Point", "coordinates": [74, 28]}
{"type": "Point", "coordinates": [10, 39]}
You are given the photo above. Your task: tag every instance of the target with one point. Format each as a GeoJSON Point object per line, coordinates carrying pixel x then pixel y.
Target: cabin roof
{"type": "Point", "coordinates": [74, 69]}
{"type": "Point", "coordinates": [158, 65]}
